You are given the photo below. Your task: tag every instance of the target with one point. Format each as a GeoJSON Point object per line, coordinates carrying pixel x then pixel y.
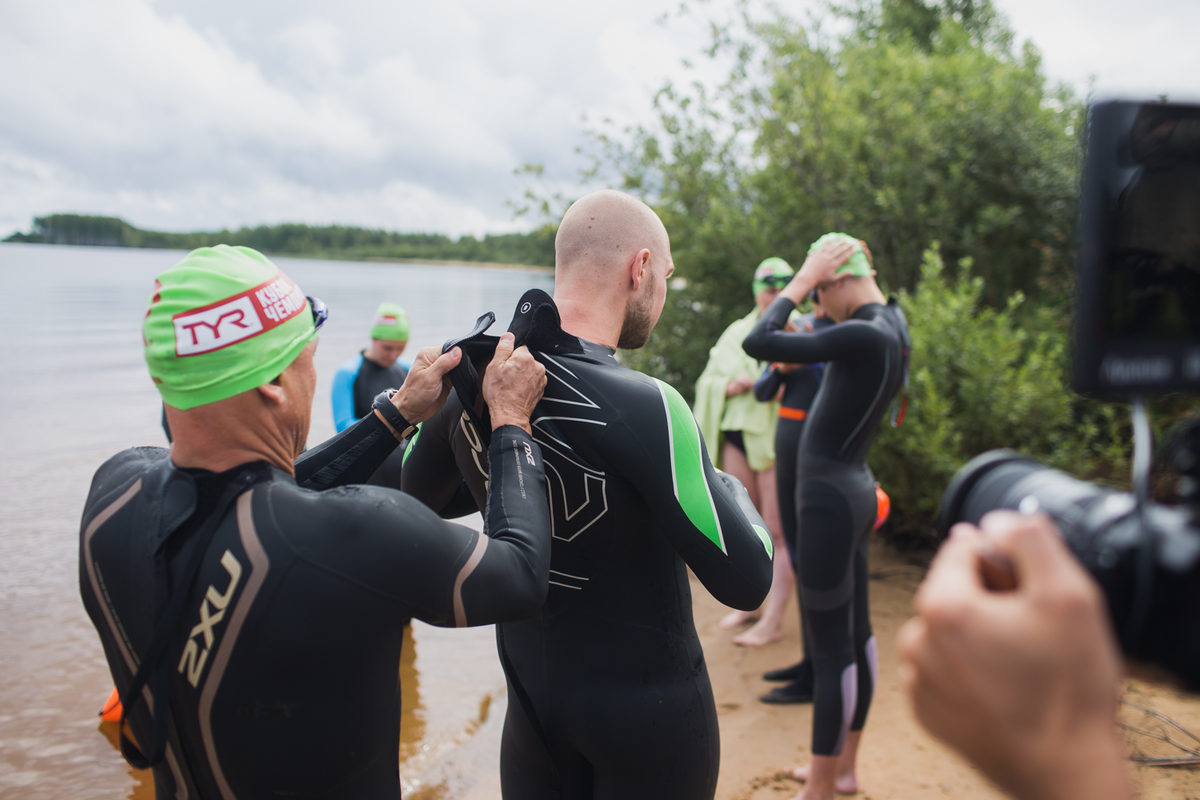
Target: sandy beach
{"type": "Point", "coordinates": [760, 743]}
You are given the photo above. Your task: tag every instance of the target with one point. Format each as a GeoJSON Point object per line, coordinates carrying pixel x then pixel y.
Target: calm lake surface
{"type": "Point", "coordinates": [75, 391]}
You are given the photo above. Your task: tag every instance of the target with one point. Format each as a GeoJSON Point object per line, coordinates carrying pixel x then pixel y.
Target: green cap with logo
{"type": "Point", "coordinates": [222, 321]}
{"type": "Point", "coordinates": [772, 272]}
{"type": "Point", "coordinates": [857, 265]}
{"type": "Point", "coordinates": [391, 323]}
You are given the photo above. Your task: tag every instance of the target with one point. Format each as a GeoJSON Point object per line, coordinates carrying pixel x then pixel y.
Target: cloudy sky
{"type": "Point", "coordinates": [404, 115]}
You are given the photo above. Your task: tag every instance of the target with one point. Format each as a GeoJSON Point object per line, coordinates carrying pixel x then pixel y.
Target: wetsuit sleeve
{"type": "Point", "coordinates": [342, 395]}
{"type": "Point", "coordinates": [706, 514]}
{"type": "Point", "coordinates": [769, 341]}
{"type": "Point", "coordinates": [351, 456]}
{"type": "Point", "coordinates": [435, 570]}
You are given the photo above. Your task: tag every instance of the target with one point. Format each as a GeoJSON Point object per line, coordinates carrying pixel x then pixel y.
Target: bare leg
{"type": "Point", "coordinates": [840, 773]}
{"type": "Point", "coordinates": [734, 462]}
{"type": "Point", "coordinates": [770, 627]}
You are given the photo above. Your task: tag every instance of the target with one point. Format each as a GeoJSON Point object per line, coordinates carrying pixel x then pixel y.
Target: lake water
{"type": "Point", "coordinates": [75, 391]}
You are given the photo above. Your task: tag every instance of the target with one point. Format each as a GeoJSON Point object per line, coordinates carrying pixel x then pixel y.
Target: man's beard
{"type": "Point", "coordinates": [635, 329]}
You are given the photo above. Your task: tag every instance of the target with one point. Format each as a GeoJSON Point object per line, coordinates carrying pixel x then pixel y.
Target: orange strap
{"type": "Point", "coordinates": [792, 413]}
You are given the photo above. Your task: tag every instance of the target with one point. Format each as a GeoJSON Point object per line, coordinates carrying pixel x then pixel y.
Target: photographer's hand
{"type": "Point", "coordinates": [1022, 682]}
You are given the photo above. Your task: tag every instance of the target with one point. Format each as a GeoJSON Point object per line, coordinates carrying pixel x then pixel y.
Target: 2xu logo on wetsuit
{"type": "Point", "coordinates": [212, 611]}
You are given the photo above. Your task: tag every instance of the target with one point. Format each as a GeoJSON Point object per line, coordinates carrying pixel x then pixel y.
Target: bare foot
{"type": "Point", "coordinates": [762, 633]}
{"type": "Point", "coordinates": [736, 619]}
{"type": "Point", "coordinates": [845, 784]}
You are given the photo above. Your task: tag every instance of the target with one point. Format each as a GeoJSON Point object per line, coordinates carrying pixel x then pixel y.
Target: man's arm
{"type": "Point", "coordinates": [353, 455]}
{"type": "Point", "coordinates": [706, 514]}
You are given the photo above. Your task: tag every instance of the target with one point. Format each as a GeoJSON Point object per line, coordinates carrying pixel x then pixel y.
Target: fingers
{"type": "Point", "coordinates": [954, 575]}
{"type": "Point", "coordinates": [512, 384]}
{"type": "Point", "coordinates": [426, 387]}
{"type": "Point", "coordinates": [1033, 544]}
{"type": "Point", "coordinates": [504, 349]}
{"type": "Point", "coordinates": [442, 364]}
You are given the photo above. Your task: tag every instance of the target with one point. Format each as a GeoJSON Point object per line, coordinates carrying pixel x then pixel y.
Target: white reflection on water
{"type": "Point", "coordinates": [75, 391]}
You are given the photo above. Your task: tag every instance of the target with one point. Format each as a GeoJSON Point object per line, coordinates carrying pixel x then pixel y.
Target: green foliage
{"type": "Point", "coordinates": [918, 124]}
{"type": "Point", "coordinates": [329, 241]}
{"type": "Point", "coordinates": [981, 379]}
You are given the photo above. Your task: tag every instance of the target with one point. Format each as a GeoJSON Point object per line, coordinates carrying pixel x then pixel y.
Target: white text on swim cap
{"type": "Point", "coordinates": [237, 318]}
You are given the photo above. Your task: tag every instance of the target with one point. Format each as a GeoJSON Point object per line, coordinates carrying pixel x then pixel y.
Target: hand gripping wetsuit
{"type": "Point", "coordinates": [609, 695]}
{"type": "Point", "coordinates": [866, 360]}
{"type": "Point", "coordinates": [282, 654]}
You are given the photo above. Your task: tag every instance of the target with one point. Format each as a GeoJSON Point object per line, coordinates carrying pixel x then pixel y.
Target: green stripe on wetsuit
{"type": "Point", "coordinates": [687, 468]}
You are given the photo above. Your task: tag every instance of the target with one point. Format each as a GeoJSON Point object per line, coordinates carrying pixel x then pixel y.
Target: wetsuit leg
{"type": "Point", "coordinates": [866, 657]}
{"type": "Point", "coordinates": [832, 519]}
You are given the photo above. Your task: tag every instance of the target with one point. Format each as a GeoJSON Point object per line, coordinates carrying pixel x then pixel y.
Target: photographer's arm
{"type": "Point", "coordinates": [1023, 681]}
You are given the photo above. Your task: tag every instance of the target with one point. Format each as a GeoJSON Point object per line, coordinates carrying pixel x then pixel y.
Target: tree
{"type": "Point", "coordinates": [919, 123]}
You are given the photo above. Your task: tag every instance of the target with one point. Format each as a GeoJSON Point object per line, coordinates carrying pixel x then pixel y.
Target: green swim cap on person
{"type": "Point", "coordinates": [222, 321]}
{"type": "Point", "coordinates": [857, 265]}
{"type": "Point", "coordinates": [391, 323]}
{"type": "Point", "coordinates": [772, 272]}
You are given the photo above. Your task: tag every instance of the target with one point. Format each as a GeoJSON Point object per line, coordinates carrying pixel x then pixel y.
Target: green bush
{"type": "Point", "coordinates": [983, 378]}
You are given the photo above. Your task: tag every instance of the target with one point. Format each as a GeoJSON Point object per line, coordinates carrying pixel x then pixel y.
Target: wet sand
{"type": "Point", "coordinates": [761, 743]}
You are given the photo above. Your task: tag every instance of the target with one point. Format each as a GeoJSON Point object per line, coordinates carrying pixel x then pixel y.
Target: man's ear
{"type": "Point", "coordinates": [637, 267]}
{"type": "Point", "coordinates": [272, 392]}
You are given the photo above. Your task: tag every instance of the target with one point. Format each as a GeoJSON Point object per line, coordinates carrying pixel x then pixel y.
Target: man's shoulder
{"type": "Point", "coordinates": [120, 472]}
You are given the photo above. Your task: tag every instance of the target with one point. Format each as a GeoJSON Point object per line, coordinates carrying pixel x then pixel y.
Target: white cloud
{"type": "Point", "coordinates": [182, 115]}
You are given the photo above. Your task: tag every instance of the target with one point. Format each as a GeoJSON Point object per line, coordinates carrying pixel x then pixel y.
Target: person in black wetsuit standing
{"type": "Point", "coordinates": [252, 609]}
{"type": "Point", "coordinates": [866, 363]}
{"type": "Point", "coordinates": [609, 696]}
{"type": "Point", "coordinates": [796, 386]}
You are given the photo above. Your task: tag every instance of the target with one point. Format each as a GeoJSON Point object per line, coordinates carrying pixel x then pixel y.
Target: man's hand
{"type": "Point", "coordinates": [818, 269]}
{"type": "Point", "coordinates": [425, 389]}
{"type": "Point", "coordinates": [1022, 681]}
{"type": "Point", "coordinates": [512, 385]}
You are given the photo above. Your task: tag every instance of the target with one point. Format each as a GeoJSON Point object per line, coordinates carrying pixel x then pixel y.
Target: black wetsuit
{"type": "Point", "coordinates": [866, 360]}
{"type": "Point", "coordinates": [281, 664]}
{"type": "Point", "coordinates": [609, 696]}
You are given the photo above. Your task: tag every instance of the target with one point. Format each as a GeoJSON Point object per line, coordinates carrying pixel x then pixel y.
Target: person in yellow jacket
{"type": "Point", "coordinates": [740, 432]}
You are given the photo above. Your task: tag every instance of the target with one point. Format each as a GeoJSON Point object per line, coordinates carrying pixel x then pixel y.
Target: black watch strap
{"type": "Point", "coordinates": [401, 427]}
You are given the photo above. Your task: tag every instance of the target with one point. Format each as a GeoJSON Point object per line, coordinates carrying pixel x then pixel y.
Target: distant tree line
{"type": "Point", "coordinates": [323, 241]}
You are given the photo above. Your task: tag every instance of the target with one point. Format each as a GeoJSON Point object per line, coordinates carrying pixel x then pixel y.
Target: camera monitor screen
{"type": "Point", "coordinates": [1138, 319]}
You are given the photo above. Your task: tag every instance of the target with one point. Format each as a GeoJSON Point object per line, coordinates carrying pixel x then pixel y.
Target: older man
{"type": "Point", "coordinates": [252, 624]}
{"type": "Point", "coordinates": [609, 696]}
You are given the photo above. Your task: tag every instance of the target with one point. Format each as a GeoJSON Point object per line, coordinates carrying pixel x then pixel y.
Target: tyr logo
{"type": "Point", "coordinates": [212, 611]}
{"type": "Point", "coordinates": [216, 327]}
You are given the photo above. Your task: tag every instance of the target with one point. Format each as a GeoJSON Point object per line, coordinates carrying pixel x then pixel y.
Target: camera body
{"type": "Point", "coordinates": [1137, 333]}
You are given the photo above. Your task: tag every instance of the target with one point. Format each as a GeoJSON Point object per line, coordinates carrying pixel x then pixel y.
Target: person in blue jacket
{"type": "Point", "coordinates": [375, 369]}
{"type": "Point", "coordinates": [360, 379]}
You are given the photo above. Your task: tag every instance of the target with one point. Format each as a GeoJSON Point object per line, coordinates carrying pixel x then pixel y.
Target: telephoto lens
{"type": "Point", "coordinates": [1145, 559]}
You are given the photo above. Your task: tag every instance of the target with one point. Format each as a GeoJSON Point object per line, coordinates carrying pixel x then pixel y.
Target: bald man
{"type": "Point", "coordinates": [609, 696]}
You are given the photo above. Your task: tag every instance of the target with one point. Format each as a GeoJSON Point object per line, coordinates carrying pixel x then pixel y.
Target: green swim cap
{"type": "Point", "coordinates": [391, 323]}
{"type": "Point", "coordinates": [774, 272]}
{"type": "Point", "coordinates": [222, 321]}
{"type": "Point", "coordinates": [857, 265]}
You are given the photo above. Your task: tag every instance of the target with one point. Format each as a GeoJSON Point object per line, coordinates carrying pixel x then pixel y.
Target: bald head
{"type": "Point", "coordinates": [612, 259]}
{"type": "Point", "coordinates": [605, 229]}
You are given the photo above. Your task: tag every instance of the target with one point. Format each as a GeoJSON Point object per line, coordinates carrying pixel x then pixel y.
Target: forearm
{"type": "Point", "coordinates": [351, 456]}
{"type": "Point", "coordinates": [769, 340]}
{"type": "Point", "coordinates": [512, 578]}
